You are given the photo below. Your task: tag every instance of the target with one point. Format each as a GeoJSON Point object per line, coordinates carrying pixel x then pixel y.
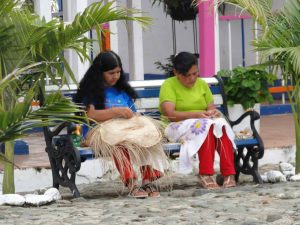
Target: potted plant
{"type": "Point", "coordinates": [167, 68]}
{"type": "Point", "coordinates": [179, 9]}
{"type": "Point", "coordinates": [245, 88]}
{"type": "Point", "coordinates": [247, 85]}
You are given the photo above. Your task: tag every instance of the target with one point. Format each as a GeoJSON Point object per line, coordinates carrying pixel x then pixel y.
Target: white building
{"type": "Point", "coordinates": [139, 49]}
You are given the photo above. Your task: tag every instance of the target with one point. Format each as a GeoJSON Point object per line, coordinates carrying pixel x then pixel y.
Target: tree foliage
{"type": "Point", "coordinates": [279, 45]}
{"type": "Point", "coordinates": [31, 51]}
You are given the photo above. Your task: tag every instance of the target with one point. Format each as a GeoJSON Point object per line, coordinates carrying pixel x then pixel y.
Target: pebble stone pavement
{"type": "Point", "coordinates": [106, 202]}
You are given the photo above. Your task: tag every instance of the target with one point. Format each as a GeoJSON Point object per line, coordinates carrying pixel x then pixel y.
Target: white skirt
{"type": "Point", "coordinates": [191, 133]}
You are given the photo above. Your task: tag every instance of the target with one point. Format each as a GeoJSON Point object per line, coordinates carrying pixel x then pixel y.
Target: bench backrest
{"type": "Point", "coordinates": [148, 93]}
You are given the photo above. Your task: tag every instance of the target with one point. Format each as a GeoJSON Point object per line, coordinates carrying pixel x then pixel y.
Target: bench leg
{"type": "Point", "coordinates": [246, 162]}
{"type": "Point", "coordinates": [54, 173]}
{"type": "Point", "coordinates": [256, 176]}
{"type": "Point", "coordinates": [237, 176]}
{"type": "Point", "coordinates": [65, 162]}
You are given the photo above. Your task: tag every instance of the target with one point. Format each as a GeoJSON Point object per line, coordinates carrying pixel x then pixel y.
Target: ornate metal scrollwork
{"type": "Point", "coordinates": [246, 162]}
{"type": "Point", "coordinates": [64, 159]}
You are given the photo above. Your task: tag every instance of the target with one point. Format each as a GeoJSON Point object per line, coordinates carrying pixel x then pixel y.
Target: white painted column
{"type": "Point", "coordinates": [135, 45]}
{"type": "Point", "coordinates": [43, 9]}
{"type": "Point", "coordinates": [229, 44]}
{"type": "Point", "coordinates": [256, 38]}
{"type": "Point", "coordinates": [70, 9]}
{"type": "Point", "coordinates": [114, 35]}
{"type": "Point", "coordinates": [217, 40]}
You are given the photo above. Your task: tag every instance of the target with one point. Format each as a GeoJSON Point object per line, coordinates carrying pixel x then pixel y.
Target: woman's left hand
{"type": "Point", "coordinates": [214, 113]}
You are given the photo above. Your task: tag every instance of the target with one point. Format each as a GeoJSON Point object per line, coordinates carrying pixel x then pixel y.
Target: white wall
{"type": "Point", "coordinates": [236, 34]}
{"type": "Point", "coordinates": [236, 41]}
{"type": "Point", "coordinates": [158, 38]}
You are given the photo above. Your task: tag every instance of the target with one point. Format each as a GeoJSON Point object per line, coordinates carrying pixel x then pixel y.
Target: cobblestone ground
{"type": "Point", "coordinates": [107, 203]}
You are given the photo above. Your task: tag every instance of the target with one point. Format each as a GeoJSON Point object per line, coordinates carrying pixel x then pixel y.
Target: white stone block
{"type": "Point", "coordinates": [38, 200]}
{"type": "Point", "coordinates": [13, 199]}
{"type": "Point", "coordinates": [53, 193]}
{"type": "Point", "coordinates": [264, 178]}
{"type": "Point", "coordinates": [295, 178]}
{"type": "Point", "coordinates": [2, 199]}
{"type": "Point", "coordinates": [286, 167]}
{"type": "Point", "coordinates": [289, 174]}
{"type": "Point", "coordinates": [275, 176]}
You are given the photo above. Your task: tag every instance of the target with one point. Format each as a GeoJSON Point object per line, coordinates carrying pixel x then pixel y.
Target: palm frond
{"type": "Point", "coordinates": [30, 49]}
{"type": "Point", "coordinates": [16, 28]}
{"type": "Point", "coordinates": [7, 6]}
{"type": "Point", "coordinates": [9, 78]}
{"type": "Point", "coordinates": [3, 159]}
{"type": "Point", "coordinates": [282, 41]}
{"type": "Point", "coordinates": [21, 118]}
{"type": "Point", "coordinates": [260, 10]}
{"type": "Point", "coordinates": [48, 40]}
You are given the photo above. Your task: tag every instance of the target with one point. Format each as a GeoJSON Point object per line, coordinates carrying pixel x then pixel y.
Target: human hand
{"type": "Point", "coordinates": [204, 114]}
{"type": "Point", "coordinates": [137, 114]}
{"type": "Point", "coordinates": [123, 112]}
{"type": "Point", "coordinates": [214, 113]}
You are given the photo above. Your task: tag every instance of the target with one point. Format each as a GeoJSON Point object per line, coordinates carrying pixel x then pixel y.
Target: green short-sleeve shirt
{"type": "Point", "coordinates": [186, 99]}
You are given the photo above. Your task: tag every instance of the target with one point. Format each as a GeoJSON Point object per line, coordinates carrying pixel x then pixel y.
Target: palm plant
{"type": "Point", "coordinates": [279, 44]}
{"type": "Point", "coordinates": [30, 50]}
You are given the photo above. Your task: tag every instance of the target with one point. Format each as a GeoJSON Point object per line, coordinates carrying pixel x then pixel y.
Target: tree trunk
{"type": "Point", "coordinates": [8, 178]}
{"type": "Point", "coordinates": [297, 134]}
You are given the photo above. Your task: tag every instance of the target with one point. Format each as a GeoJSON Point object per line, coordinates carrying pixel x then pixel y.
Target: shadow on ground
{"type": "Point", "coordinates": [175, 185]}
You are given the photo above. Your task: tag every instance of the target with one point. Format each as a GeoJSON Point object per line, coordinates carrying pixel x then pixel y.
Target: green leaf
{"type": "Point", "coordinates": [31, 50]}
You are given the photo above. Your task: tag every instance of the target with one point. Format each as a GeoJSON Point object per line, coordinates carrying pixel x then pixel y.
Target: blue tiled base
{"type": "Point", "coordinates": [266, 110]}
{"type": "Point", "coordinates": [20, 148]}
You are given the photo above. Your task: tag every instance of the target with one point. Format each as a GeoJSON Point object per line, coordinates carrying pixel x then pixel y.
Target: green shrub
{"type": "Point", "coordinates": [247, 85]}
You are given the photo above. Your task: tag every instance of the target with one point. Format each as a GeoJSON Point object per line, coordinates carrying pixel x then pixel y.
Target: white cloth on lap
{"type": "Point", "coordinates": [191, 133]}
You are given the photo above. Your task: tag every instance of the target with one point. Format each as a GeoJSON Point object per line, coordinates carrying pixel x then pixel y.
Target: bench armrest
{"type": "Point", "coordinates": [253, 116]}
{"type": "Point", "coordinates": [50, 133]}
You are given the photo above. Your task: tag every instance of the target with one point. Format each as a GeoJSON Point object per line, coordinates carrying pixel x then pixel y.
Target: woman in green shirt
{"type": "Point", "coordinates": [187, 102]}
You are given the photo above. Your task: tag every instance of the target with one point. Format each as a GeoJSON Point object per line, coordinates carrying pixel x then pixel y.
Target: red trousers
{"type": "Point", "coordinates": [126, 171]}
{"type": "Point", "coordinates": [206, 154]}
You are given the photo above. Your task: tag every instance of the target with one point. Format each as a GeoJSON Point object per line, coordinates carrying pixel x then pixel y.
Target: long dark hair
{"type": "Point", "coordinates": [91, 87]}
{"type": "Point", "coordinates": [183, 62]}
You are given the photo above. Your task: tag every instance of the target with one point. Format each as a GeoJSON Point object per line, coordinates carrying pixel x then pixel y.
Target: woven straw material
{"type": "Point", "coordinates": [139, 130]}
{"type": "Point", "coordinates": [140, 136]}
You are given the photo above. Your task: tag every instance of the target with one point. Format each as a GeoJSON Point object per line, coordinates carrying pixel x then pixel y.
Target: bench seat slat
{"type": "Point", "coordinates": [246, 142]}
{"type": "Point", "coordinates": [85, 151]}
{"type": "Point", "coordinates": [169, 148]}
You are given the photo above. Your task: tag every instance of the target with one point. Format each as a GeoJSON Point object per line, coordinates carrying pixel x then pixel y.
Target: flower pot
{"type": "Point", "coordinates": [236, 111]}
{"type": "Point", "coordinates": [184, 11]}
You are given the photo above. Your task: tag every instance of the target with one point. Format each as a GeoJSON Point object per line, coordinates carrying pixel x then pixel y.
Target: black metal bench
{"type": "Point", "coordinates": [65, 158]}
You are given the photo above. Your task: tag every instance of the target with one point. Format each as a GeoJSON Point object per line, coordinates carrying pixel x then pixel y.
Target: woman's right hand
{"type": "Point", "coordinates": [123, 112]}
{"type": "Point", "coordinates": [204, 114]}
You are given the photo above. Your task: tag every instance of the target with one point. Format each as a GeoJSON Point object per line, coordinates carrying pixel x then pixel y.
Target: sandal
{"type": "Point", "coordinates": [137, 192]}
{"type": "Point", "coordinates": [208, 182]}
{"type": "Point", "coordinates": [229, 182]}
{"type": "Point", "coordinates": [151, 190]}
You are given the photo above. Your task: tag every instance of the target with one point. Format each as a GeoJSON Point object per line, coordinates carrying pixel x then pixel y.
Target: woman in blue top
{"type": "Point", "coordinates": [104, 89]}
{"type": "Point", "coordinates": [107, 95]}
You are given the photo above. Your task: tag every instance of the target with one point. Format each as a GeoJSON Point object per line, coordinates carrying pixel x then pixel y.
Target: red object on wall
{"type": "Point", "coordinates": [105, 37]}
